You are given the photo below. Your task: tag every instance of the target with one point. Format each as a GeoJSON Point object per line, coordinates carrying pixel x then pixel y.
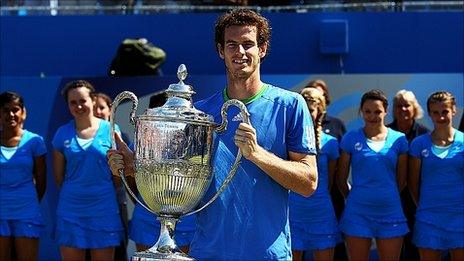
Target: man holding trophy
{"type": "Point", "coordinates": [249, 220]}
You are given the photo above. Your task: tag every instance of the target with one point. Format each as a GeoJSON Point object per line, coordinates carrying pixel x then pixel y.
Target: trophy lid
{"type": "Point", "coordinates": [179, 105]}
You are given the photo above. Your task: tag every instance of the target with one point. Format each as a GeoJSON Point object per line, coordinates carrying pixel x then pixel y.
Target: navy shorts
{"type": "Point", "coordinates": [89, 232]}
{"type": "Point", "coordinates": [359, 226]}
{"type": "Point", "coordinates": [429, 236]}
{"type": "Point", "coordinates": [304, 237]}
{"type": "Point", "coordinates": [20, 228]}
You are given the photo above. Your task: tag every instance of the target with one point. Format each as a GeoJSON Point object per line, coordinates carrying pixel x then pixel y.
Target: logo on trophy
{"type": "Point", "coordinates": [172, 150]}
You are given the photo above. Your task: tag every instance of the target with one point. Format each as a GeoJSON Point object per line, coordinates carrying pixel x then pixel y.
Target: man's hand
{"type": "Point", "coordinates": [123, 158]}
{"type": "Point", "coordinates": [245, 139]}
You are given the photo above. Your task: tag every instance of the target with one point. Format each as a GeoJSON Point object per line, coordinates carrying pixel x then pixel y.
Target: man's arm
{"type": "Point", "coordinates": [298, 174]}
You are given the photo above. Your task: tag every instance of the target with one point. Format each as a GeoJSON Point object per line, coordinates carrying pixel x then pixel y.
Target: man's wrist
{"type": "Point", "coordinates": [130, 171]}
{"type": "Point", "coordinates": [257, 155]}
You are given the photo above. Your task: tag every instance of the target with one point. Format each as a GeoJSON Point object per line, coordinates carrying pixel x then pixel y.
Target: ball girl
{"type": "Point", "coordinates": [436, 181]}
{"type": "Point", "coordinates": [312, 219]}
{"type": "Point", "coordinates": [378, 159]}
{"type": "Point", "coordinates": [87, 211]}
{"type": "Point", "coordinates": [22, 181]}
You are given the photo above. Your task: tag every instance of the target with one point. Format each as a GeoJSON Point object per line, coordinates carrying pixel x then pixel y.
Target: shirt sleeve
{"type": "Point", "coordinates": [332, 149]}
{"type": "Point", "coordinates": [345, 144]}
{"type": "Point", "coordinates": [415, 149]}
{"type": "Point", "coordinates": [40, 147]}
{"type": "Point", "coordinates": [57, 141]}
{"type": "Point", "coordinates": [301, 136]}
{"type": "Point", "coordinates": [403, 145]}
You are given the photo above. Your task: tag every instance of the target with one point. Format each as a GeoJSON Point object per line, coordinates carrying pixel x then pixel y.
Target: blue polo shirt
{"type": "Point", "coordinates": [374, 193]}
{"type": "Point", "coordinates": [249, 220]}
{"type": "Point", "coordinates": [18, 196]}
{"type": "Point", "coordinates": [441, 201]}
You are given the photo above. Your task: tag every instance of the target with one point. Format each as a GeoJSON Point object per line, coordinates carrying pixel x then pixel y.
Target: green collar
{"type": "Point", "coordinates": [247, 100]}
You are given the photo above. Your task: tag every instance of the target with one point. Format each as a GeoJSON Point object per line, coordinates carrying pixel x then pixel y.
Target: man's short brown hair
{"type": "Point", "coordinates": [242, 17]}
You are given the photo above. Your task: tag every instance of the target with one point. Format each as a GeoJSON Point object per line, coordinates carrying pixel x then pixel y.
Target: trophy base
{"type": "Point", "coordinates": [158, 256]}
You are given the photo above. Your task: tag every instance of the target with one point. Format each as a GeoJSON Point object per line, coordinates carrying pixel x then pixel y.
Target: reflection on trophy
{"type": "Point", "coordinates": [173, 147]}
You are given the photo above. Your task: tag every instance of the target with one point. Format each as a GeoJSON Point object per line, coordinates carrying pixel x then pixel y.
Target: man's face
{"type": "Point", "coordinates": [240, 52]}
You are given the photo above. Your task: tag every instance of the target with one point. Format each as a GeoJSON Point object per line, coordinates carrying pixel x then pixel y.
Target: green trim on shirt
{"type": "Point", "coordinates": [247, 100]}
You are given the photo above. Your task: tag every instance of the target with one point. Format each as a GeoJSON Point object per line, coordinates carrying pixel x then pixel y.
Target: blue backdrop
{"type": "Point", "coordinates": [393, 42]}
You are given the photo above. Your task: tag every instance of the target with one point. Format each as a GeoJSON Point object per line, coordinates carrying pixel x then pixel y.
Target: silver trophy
{"type": "Point", "coordinates": [173, 146]}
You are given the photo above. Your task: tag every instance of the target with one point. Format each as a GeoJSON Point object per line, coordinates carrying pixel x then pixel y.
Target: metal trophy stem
{"type": "Point", "coordinates": [173, 147]}
{"type": "Point", "coordinates": [165, 248]}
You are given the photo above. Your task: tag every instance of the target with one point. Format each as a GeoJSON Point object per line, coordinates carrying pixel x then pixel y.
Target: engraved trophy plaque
{"type": "Point", "coordinates": [172, 150]}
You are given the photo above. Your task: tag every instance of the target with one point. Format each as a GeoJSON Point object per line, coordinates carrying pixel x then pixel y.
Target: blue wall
{"type": "Point", "coordinates": [420, 42]}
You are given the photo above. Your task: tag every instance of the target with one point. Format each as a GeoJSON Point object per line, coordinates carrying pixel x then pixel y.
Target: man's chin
{"type": "Point", "coordinates": [240, 74]}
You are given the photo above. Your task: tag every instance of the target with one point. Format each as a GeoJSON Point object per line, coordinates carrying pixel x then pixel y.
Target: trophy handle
{"type": "Point", "coordinates": [119, 98]}
{"type": "Point", "coordinates": [221, 128]}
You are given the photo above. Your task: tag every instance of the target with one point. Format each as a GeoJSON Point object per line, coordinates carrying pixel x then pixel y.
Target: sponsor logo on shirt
{"type": "Point", "coordinates": [237, 117]}
{"type": "Point", "coordinates": [358, 146]}
{"type": "Point", "coordinates": [327, 131]}
{"type": "Point", "coordinates": [67, 143]}
{"type": "Point", "coordinates": [425, 153]}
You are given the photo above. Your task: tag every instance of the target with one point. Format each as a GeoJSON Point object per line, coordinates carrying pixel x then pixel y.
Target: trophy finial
{"type": "Point", "coordinates": [182, 72]}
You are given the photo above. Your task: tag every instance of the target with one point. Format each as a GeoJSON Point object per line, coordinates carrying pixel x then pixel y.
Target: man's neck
{"type": "Point", "coordinates": [243, 88]}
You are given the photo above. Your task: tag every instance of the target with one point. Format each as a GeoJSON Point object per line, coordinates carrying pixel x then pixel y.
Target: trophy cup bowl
{"type": "Point", "coordinates": [172, 150]}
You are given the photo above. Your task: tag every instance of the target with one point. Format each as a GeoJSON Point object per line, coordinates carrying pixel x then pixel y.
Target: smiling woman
{"type": "Point", "coordinates": [102, 108]}
{"type": "Point", "coordinates": [406, 112]}
{"type": "Point", "coordinates": [87, 212]}
{"type": "Point", "coordinates": [436, 182]}
{"type": "Point", "coordinates": [22, 181]}
{"type": "Point", "coordinates": [312, 219]}
{"type": "Point", "coordinates": [373, 207]}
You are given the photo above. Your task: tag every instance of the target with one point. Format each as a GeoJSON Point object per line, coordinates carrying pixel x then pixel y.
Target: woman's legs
{"type": "Point", "coordinates": [324, 254]}
{"type": "Point", "coordinates": [5, 248]}
{"type": "Point", "coordinates": [297, 255]}
{"type": "Point", "coordinates": [457, 254]}
{"type": "Point", "coordinates": [72, 254]}
{"type": "Point", "coordinates": [358, 247]}
{"type": "Point", "coordinates": [427, 254]}
{"type": "Point", "coordinates": [27, 248]}
{"type": "Point", "coordinates": [141, 247]}
{"type": "Point", "coordinates": [389, 248]}
{"type": "Point", "coordinates": [102, 254]}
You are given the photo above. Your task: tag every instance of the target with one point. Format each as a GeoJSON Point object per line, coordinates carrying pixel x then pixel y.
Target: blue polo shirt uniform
{"type": "Point", "coordinates": [249, 220]}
